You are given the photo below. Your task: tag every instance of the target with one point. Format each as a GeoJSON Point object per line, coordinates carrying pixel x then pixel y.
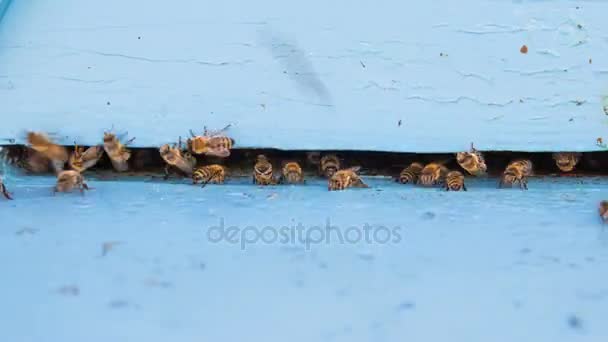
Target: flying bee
{"type": "Point", "coordinates": [472, 161]}
{"type": "Point", "coordinates": [173, 157]}
{"type": "Point", "coordinates": [292, 173]}
{"type": "Point", "coordinates": [212, 143]}
{"type": "Point", "coordinates": [82, 159]}
{"type": "Point", "coordinates": [455, 181]}
{"type": "Point", "coordinates": [117, 151]}
{"type": "Point", "coordinates": [346, 178]}
{"type": "Point", "coordinates": [4, 190]}
{"type": "Point", "coordinates": [262, 171]}
{"type": "Point", "coordinates": [70, 179]}
{"type": "Point", "coordinates": [214, 173]}
{"type": "Point", "coordinates": [566, 161]}
{"type": "Point", "coordinates": [40, 142]}
{"type": "Point", "coordinates": [410, 174]}
{"type": "Point", "coordinates": [432, 174]}
{"type": "Point", "coordinates": [603, 209]}
{"type": "Point", "coordinates": [517, 171]}
{"type": "Point", "coordinates": [329, 165]}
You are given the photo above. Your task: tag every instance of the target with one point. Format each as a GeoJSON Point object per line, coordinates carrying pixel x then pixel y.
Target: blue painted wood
{"type": "Point", "coordinates": [388, 75]}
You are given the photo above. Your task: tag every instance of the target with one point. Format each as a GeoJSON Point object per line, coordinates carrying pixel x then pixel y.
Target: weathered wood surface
{"type": "Point", "coordinates": [310, 75]}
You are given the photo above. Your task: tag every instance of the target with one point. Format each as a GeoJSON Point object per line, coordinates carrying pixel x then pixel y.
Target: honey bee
{"type": "Point", "coordinates": [173, 157]}
{"type": "Point", "coordinates": [117, 151]}
{"type": "Point", "coordinates": [211, 143]}
{"type": "Point", "coordinates": [432, 174]}
{"type": "Point", "coordinates": [70, 179]}
{"type": "Point", "coordinates": [214, 173]}
{"type": "Point", "coordinates": [603, 209]}
{"type": "Point", "coordinates": [82, 159]}
{"type": "Point", "coordinates": [566, 161]}
{"type": "Point", "coordinates": [472, 161]}
{"type": "Point", "coordinates": [517, 171]}
{"type": "Point", "coordinates": [455, 181]}
{"type": "Point", "coordinates": [410, 174]}
{"type": "Point", "coordinates": [262, 171]}
{"type": "Point", "coordinates": [40, 142]}
{"type": "Point", "coordinates": [329, 165]}
{"type": "Point", "coordinates": [346, 178]}
{"type": "Point", "coordinates": [292, 173]}
{"type": "Point", "coordinates": [4, 190]}
{"type": "Point", "coordinates": [34, 162]}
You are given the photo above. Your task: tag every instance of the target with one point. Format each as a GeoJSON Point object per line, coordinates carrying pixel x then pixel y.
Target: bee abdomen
{"type": "Point", "coordinates": [455, 181]}
{"type": "Point", "coordinates": [410, 174]}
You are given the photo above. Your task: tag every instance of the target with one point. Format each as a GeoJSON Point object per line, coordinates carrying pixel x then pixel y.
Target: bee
{"type": "Point", "coordinates": [455, 181]}
{"type": "Point", "coordinates": [212, 143]}
{"type": "Point", "coordinates": [117, 151]}
{"type": "Point", "coordinates": [4, 190]}
{"type": "Point", "coordinates": [472, 161]}
{"type": "Point", "coordinates": [82, 159]}
{"type": "Point", "coordinates": [517, 171]}
{"type": "Point", "coordinates": [68, 180]}
{"type": "Point", "coordinates": [214, 173]}
{"type": "Point", "coordinates": [262, 171]}
{"type": "Point", "coordinates": [433, 173]}
{"type": "Point", "coordinates": [40, 142]}
{"type": "Point", "coordinates": [33, 161]}
{"type": "Point", "coordinates": [329, 165]}
{"type": "Point", "coordinates": [292, 173]}
{"type": "Point", "coordinates": [566, 161]}
{"type": "Point", "coordinates": [346, 178]}
{"type": "Point", "coordinates": [410, 174]}
{"type": "Point", "coordinates": [603, 209]}
{"type": "Point", "coordinates": [173, 157]}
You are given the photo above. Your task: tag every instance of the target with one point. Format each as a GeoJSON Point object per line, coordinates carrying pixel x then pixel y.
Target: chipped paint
{"type": "Point", "coordinates": [340, 81]}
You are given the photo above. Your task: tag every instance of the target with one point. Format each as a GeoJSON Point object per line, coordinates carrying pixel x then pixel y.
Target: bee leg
{"type": "Point", "coordinates": [5, 192]}
{"type": "Point", "coordinates": [524, 184]}
{"type": "Point", "coordinates": [464, 187]}
{"type": "Point", "coordinates": [167, 167]}
{"type": "Point", "coordinates": [85, 186]}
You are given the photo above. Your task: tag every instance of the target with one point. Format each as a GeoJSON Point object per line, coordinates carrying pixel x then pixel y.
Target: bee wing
{"type": "Point", "coordinates": [221, 153]}
{"type": "Point", "coordinates": [355, 168]}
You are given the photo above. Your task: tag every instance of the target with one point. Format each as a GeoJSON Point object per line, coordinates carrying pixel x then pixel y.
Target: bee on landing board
{"type": "Point", "coordinates": [41, 143]}
{"type": "Point", "coordinates": [292, 173]}
{"type": "Point", "coordinates": [410, 174]}
{"type": "Point", "coordinates": [117, 151]}
{"type": "Point", "coordinates": [566, 161]}
{"type": "Point", "coordinates": [211, 143]}
{"type": "Point", "coordinates": [603, 209]}
{"type": "Point", "coordinates": [472, 161]}
{"type": "Point", "coordinates": [517, 171]}
{"type": "Point", "coordinates": [214, 173]}
{"type": "Point", "coordinates": [347, 178]}
{"type": "Point", "coordinates": [262, 171]}
{"type": "Point", "coordinates": [433, 174]}
{"type": "Point", "coordinates": [173, 157]}
{"type": "Point", "coordinates": [68, 180]}
{"type": "Point", "coordinates": [4, 190]}
{"type": "Point", "coordinates": [82, 159]}
{"type": "Point", "coordinates": [455, 181]}
{"type": "Point", "coordinates": [330, 164]}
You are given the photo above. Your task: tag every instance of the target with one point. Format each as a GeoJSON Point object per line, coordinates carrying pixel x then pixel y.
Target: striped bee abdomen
{"type": "Point", "coordinates": [455, 181]}
{"type": "Point", "coordinates": [209, 174]}
{"type": "Point", "coordinates": [432, 174]}
{"type": "Point", "coordinates": [262, 171]}
{"type": "Point", "coordinates": [517, 171]}
{"type": "Point", "coordinates": [410, 174]}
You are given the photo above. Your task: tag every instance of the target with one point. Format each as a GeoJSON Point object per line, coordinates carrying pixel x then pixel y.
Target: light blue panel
{"type": "Point", "coordinates": [312, 74]}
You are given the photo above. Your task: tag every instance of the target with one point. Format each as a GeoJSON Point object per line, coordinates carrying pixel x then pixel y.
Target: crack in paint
{"type": "Point", "coordinates": [458, 100]}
